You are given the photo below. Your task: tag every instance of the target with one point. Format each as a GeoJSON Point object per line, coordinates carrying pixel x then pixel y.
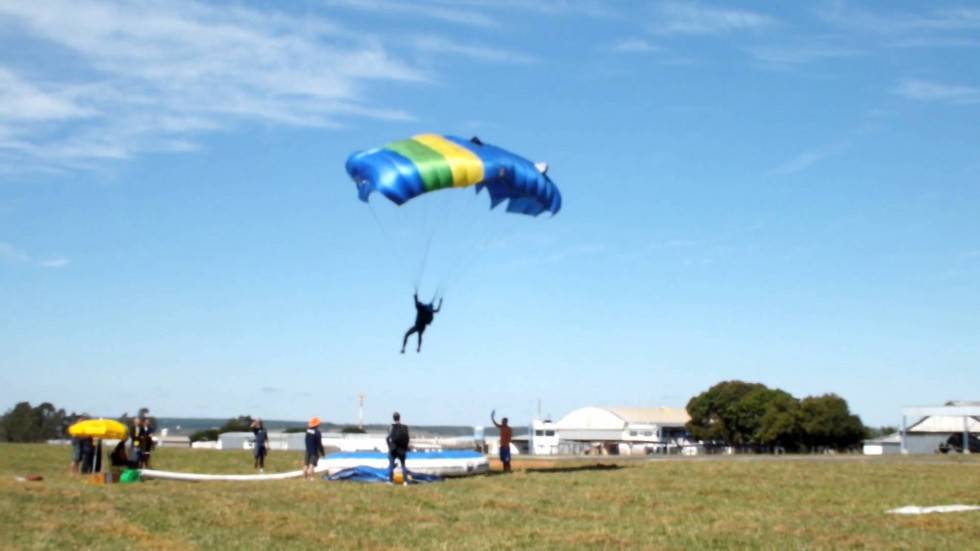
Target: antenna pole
{"type": "Point", "coordinates": [360, 417]}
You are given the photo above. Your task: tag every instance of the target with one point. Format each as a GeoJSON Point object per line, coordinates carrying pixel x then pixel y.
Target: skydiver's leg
{"type": "Point", "coordinates": [408, 334]}
{"type": "Point", "coordinates": [420, 330]}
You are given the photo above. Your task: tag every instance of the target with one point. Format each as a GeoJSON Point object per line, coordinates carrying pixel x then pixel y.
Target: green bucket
{"type": "Point", "coordinates": [130, 475]}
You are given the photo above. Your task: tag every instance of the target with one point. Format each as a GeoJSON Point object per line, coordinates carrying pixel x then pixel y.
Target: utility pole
{"type": "Point", "coordinates": [360, 418]}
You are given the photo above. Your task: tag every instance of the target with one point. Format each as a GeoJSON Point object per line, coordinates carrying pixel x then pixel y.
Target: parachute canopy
{"type": "Point", "coordinates": [406, 169]}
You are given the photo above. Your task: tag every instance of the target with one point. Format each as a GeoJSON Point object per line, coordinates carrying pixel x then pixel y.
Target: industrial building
{"type": "Point", "coordinates": [928, 429]}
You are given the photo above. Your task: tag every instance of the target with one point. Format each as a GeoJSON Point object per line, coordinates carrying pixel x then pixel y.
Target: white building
{"type": "Point", "coordinates": [936, 424]}
{"type": "Point", "coordinates": [612, 430]}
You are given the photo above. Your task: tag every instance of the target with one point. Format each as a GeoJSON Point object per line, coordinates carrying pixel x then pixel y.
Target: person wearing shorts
{"type": "Point", "coordinates": [506, 435]}
{"type": "Point", "coordinates": [314, 448]}
{"type": "Point", "coordinates": [76, 454]}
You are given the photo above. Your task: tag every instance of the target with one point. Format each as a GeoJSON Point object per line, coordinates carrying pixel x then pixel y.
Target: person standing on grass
{"type": "Point", "coordinates": [134, 440]}
{"type": "Point", "coordinates": [506, 434]}
{"type": "Point", "coordinates": [146, 443]}
{"type": "Point", "coordinates": [314, 448]}
{"type": "Point", "coordinates": [76, 451]}
{"type": "Point", "coordinates": [261, 444]}
{"type": "Point", "coordinates": [397, 448]}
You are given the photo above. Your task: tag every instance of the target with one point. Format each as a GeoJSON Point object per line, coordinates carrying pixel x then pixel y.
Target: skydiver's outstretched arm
{"type": "Point", "coordinates": [437, 308]}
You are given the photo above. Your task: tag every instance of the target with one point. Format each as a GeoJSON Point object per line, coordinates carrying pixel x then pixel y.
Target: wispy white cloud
{"type": "Point", "coordinates": [693, 19]}
{"type": "Point", "coordinates": [809, 158]}
{"type": "Point", "coordinates": [584, 249]}
{"type": "Point", "coordinates": [898, 22]}
{"type": "Point", "coordinates": [450, 12]}
{"type": "Point", "coordinates": [801, 52]}
{"type": "Point", "coordinates": [672, 244]}
{"type": "Point", "coordinates": [920, 90]}
{"type": "Point", "coordinates": [23, 101]}
{"type": "Point", "coordinates": [13, 255]}
{"type": "Point", "coordinates": [577, 250]}
{"type": "Point", "coordinates": [481, 53]}
{"type": "Point", "coordinates": [476, 13]}
{"type": "Point", "coordinates": [54, 263]}
{"type": "Point", "coordinates": [633, 46]}
{"type": "Point", "coordinates": [151, 76]}
{"type": "Point", "coordinates": [922, 26]}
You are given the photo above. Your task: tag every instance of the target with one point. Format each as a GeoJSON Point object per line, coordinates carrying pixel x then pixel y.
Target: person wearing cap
{"type": "Point", "coordinates": [314, 448]}
{"type": "Point", "coordinates": [397, 448]}
{"type": "Point", "coordinates": [261, 448]}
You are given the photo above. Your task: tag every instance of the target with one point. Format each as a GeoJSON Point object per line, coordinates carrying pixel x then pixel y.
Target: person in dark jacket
{"type": "Point", "coordinates": [146, 444]}
{"type": "Point", "coordinates": [314, 448]}
{"type": "Point", "coordinates": [261, 448]}
{"type": "Point", "coordinates": [397, 448]}
{"type": "Point", "coordinates": [424, 314]}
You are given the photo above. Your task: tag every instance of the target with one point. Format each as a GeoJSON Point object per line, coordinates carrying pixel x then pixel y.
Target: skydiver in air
{"type": "Point", "coordinates": [424, 314]}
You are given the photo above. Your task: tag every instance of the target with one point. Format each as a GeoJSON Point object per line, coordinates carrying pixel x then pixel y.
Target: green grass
{"type": "Point", "coordinates": [685, 503]}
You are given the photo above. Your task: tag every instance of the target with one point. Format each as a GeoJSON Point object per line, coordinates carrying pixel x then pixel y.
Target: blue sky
{"type": "Point", "coordinates": [777, 192]}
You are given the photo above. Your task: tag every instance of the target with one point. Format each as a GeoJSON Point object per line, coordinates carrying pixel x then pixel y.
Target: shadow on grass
{"type": "Point", "coordinates": [559, 470]}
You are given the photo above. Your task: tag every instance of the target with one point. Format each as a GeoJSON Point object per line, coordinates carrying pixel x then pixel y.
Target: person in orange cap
{"type": "Point", "coordinates": [314, 448]}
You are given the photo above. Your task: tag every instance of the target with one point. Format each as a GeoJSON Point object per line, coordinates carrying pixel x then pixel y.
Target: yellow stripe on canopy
{"type": "Point", "coordinates": [467, 168]}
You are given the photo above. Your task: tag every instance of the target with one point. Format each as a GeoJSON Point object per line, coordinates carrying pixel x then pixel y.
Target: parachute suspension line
{"type": "Point", "coordinates": [391, 244]}
{"type": "Point", "coordinates": [476, 220]}
{"type": "Point", "coordinates": [425, 261]}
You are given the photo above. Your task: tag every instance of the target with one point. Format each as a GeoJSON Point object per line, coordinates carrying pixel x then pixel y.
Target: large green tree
{"type": "Point", "coordinates": [751, 415]}
{"type": "Point", "coordinates": [729, 411]}
{"type": "Point", "coordinates": [24, 423]}
{"type": "Point", "coordinates": [828, 423]}
{"type": "Point", "coordinates": [780, 425]}
{"type": "Point", "coordinates": [242, 423]}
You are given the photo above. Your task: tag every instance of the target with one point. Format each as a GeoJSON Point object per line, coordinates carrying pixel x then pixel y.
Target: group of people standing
{"type": "Point", "coordinates": [313, 445]}
{"type": "Point", "coordinates": [398, 440]}
{"type": "Point", "coordinates": [398, 444]}
{"type": "Point", "coordinates": [141, 445]}
{"type": "Point", "coordinates": [134, 451]}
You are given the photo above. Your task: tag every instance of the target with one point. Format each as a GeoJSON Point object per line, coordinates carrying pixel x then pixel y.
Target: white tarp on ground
{"type": "Point", "coordinates": [915, 510]}
{"type": "Point", "coordinates": [165, 475]}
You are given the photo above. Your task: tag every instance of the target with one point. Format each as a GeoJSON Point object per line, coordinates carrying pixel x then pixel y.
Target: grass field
{"type": "Point", "coordinates": [685, 503]}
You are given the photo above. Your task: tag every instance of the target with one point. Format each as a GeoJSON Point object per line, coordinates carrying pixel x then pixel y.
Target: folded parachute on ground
{"type": "Point", "coordinates": [406, 169]}
{"type": "Point", "coordinates": [364, 473]}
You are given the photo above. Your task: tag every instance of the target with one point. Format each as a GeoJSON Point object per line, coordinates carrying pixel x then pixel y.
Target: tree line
{"type": "Point", "coordinates": [746, 416]}
{"type": "Point", "coordinates": [753, 417]}
{"type": "Point", "coordinates": [26, 423]}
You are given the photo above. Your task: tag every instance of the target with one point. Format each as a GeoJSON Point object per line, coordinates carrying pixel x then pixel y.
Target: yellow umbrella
{"type": "Point", "coordinates": [99, 428]}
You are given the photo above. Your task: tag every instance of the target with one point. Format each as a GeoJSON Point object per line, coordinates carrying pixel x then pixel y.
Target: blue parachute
{"type": "Point", "coordinates": [426, 163]}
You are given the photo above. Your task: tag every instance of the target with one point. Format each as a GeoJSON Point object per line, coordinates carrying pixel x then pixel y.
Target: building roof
{"type": "Point", "coordinates": [652, 416]}
{"type": "Point", "coordinates": [945, 423]}
{"type": "Point", "coordinates": [618, 418]}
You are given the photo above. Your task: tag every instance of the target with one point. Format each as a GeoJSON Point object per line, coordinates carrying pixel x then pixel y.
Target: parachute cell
{"type": "Point", "coordinates": [426, 163]}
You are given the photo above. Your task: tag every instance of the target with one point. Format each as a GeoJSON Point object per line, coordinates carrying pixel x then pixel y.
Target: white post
{"type": "Point", "coordinates": [966, 435]}
{"type": "Point", "coordinates": [904, 451]}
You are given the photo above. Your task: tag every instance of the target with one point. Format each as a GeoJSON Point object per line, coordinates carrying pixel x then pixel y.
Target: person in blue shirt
{"type": "Point", "coordinates": [314, 448]}
{"type": "Point", "coordinates": [424, 314]}
{"type": "Point", "coordinates": [261, 444]}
